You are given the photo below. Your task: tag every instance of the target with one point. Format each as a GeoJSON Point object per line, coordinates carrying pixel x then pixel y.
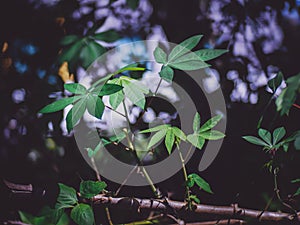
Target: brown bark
{"type": "Point", "coordinates": [233, 211]}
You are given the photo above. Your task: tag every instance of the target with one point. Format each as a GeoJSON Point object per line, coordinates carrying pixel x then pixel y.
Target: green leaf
{"type": "Point", "coordinates": [201, 183]}
{"type": "Point", "coordinates": [295, 181]}
{"type": "Point", "coordinates": [95, 106]}
{"type": "Point", "coordinates": [211, 123]}
{"type": "Point", "coordinates": [71, 54]}
{"type": "Point", "coordinates": [196, 122]}
{"type": "Point", "coordinates": [265, 135]}
{"type": "Point", "coordinates": [255, 140]}
{"type": "Point", "coordinates": [179, 133]}
{"type": "Point", "coordinates": [196, 140]}
{"type": "Point", "coordinates": [195, 199]}
{"type": "Point", "coordinates": [278, 134]}
{"type": "Point", "coordinates": [83, 214]}
{"type": "Point", "coordinates": [275, 82]}
{"type": "Point", "coordinates": [285, 147]}
{"type": "Point", "coordinates": [130, 67]}
{"type": "Point", "coordinates": [212, 135]}
{"type": "Point", "coordinates": [167, 73]}
{"type": "Point", "coordinates": [184, 47]}
{"type": "Point", "coordinates": [76, 113]}
{"type": "Point", "coordinates": [297, 143]}
{"type": "Point", "coordinates": [188, 62]}
{"type": "Point", "coordinates": [51, 216]}
{"type": "Point", "coordinates": [59, 104]}
{"type": "Point", "coordinates": [135, 92]}
{"type": "Point", "coordinates": [169, 140]}
{"type": "Point", "coordinates": [208, 54]}
{"type": "Point", "coordinates": [160, 56]}
{"type": "Point", "coordinates": [107, 36]}
{"type": "Point", "coordinates": [116, 99]}
{"type": "Point", "coordinates": [297, 192]}
{"type": "Point", "coordinates": [120, 135]}
{"type": "Point", "coordinates": [89, 189]}
{"type": "Point", "coordinates": [288, 96]}
{"type": "Point", "coordinates": [157, 128]}
{"type": "Point", "coordinates": [35, 220]}
{"type": "Point", "coordinates": [133, 4]}
{"type": "Point", "coordinates": [90, 52]}
{"type": "Point", "coordinates": [108, 89]}
{"type": "Point", "coordinates": [156, 138]}
{"type": "Point", "coordinates": [190, 182]}
{"type": "Point", "coordinates": [67, 197]}
{"type": "Point", "coordinates": [69, 39]}
{"type": "Point", "coordinates": [75, 88]}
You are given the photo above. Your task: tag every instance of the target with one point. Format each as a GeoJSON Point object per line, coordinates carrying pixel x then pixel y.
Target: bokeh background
{"type": "Point", "coordinates": [262, 38]}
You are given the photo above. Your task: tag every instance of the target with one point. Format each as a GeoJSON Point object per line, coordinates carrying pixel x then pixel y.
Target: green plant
{"type": "Point", "coordinates": [119, 87]}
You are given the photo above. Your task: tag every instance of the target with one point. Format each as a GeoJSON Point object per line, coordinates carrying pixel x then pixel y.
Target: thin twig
{"type": "Point", "coordinates": [99, 179]}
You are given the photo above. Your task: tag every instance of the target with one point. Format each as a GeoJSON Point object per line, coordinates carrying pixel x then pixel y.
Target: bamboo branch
{"type": "Point", "coordinates": [233, 211]}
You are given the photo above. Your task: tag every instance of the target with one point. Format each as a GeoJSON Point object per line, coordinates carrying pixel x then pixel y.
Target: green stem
{"type": "Point", "coordinates": [187, 189]}
{"type": "Point", "coordinates": [159, 83]}
{"type": "Point", "coordinates": [126, 113]}
{"type": "Point", "coordinates": [132, 148]}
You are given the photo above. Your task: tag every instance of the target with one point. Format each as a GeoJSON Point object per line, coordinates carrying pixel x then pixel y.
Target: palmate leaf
{"type": "Point", "coordinates": [75, 88]}
{"type": "Point", "coordinates": [208, 54]}
{"type": "Point", "coordinates": [211, 123]}
{"type": "Point", "coordinates": [89, 189]}
{"type": "Point", "coordinates": [278, 134]}
{"type": "Point", "coordinates": [59, 104]}
{"type": "Point", "coordinates": [160, 56]}
{"type": "Point", "coordinates": [265, 135]}
{"type": "Point", "coordinates": [184, 47]}
{"type": "Point", "coordinates": [255, 140]}
{"type": "Point", "coordinates": [83, 214]}
{"type": "Point", "coordinates": [133, 89]}
{"type": "Point", "coordinates": [76, 113]}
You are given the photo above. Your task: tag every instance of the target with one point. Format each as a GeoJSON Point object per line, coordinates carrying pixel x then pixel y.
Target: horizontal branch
{"type": "Point", "coordinates": [233, 211]}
